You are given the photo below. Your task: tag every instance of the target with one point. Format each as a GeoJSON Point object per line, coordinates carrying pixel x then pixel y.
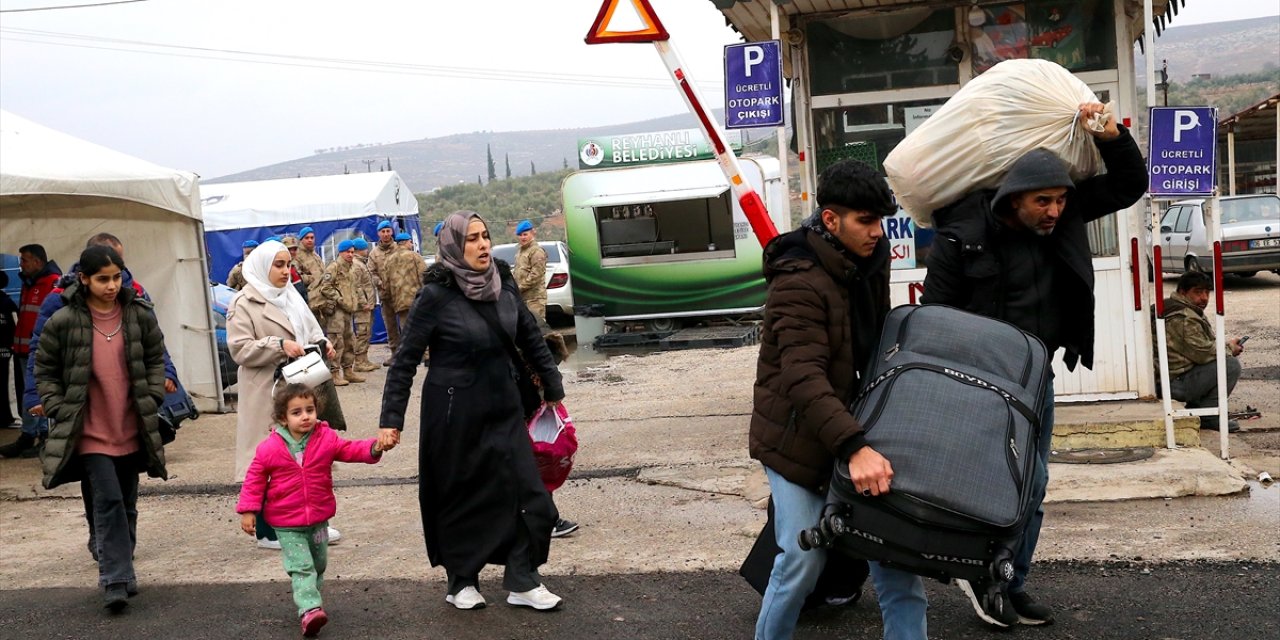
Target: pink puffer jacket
{"type": "Point", "coordinates": [299, 495]}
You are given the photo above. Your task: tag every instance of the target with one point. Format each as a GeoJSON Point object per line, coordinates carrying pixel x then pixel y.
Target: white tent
{"type": "Point", "coordinates": [57, 190]}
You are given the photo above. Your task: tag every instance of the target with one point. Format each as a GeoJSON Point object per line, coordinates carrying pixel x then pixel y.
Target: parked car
{"type": "Point", "coordinates": [559, 289]}
{"type": "Point", "coordinates": [221, 295]}
{"type": "Point", "coordinates": [1250, 236]}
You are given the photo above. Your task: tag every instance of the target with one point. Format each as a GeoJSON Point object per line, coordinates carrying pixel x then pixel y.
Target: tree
{"type": "Point", "coordinates": [566, 162]}
{"type": "Point", "coordinates": [532, 170]}
{"type": "Point", "coordinates": [508, 161]}
{"type": "Point", "coordinates": [388, 163]}
{"type": "Point", "coordinates": [478, 181]}
{"type": "Point", "coordinates": [493, 172]}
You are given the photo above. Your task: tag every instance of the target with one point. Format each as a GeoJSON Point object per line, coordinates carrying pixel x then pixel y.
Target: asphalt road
{"type": "Point", "coordinates": [1122, 600]}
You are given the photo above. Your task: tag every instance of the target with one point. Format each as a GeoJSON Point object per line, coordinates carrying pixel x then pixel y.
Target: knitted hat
{"type": "Point", "coordinates": [385, 224]}
{"type": "Point", "coordinates": [274, 239]}
{"type": "Point", "coordinates": [360, 244]}
{"type": "Point", "coordinates": [249, 244]}
{"type": "Point", "coordinates": [302, 233]}
{"type": "Point", "coordinates": [403, 236]}
{"type": "Point", "coordinates": [346, 245]}
{"type": "Point", "coordinates": [524, 226]}
{"type": "Point", "coordinates": [1036, 169]}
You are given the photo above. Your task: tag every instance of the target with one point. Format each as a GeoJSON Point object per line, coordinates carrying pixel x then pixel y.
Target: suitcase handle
{"type": "Point", "coordinates": [961, 376]}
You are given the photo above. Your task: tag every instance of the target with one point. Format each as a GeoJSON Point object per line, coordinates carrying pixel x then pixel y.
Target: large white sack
{"type": "Point", "coordinates": [1016, 106]}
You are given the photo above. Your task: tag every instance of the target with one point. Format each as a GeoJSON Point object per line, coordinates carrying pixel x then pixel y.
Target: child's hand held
{"type": "Point", "coordinates": [248, 523]}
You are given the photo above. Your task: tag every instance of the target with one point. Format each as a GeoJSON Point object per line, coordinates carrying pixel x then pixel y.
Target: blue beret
{"type": "Point", "coordinates": [524, 226]}
{"type": "Point", "coordinates": [249, 244]}
{"type": "Point", "coordinates": [360, 244]}
{"type": "Point", "coordinates": [305, 230]}
{"type": "Point", "coordinates": [439, 226]}
{"type": "Point", "coordinates": [274, 239]}
{"type": "Point", "coordinates": [346, 245]}
{"type": "Point", "coordinates": [385, 224]}
{"type": "Point", "coordinates": [403, 236]}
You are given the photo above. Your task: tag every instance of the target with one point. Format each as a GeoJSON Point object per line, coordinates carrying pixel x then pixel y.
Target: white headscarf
{"type": "Point", "coordinates": [257, 271]}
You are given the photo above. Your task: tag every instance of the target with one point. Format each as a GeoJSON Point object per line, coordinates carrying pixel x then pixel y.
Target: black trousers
{"type": "Point", "coordinates": [518, 575]}
{"type": "Point", "coordinates": [113, 483]}
{"type": "Point", "coordinates": [9, 363]}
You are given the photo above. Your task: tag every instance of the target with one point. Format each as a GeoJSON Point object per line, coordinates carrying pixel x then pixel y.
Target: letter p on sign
{"type": "Point", "coordinates": [1184, 121]}
{"type": "Point", "coordinates": [752, 56]}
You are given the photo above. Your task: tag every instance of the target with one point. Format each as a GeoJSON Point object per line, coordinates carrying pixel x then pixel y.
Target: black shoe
{"type": "Point", "coordinates": [563, 528]}
{"type": "Point", "coordinates": [34, 452]}
{"type": "Point", "coordinates": [131, 588]}
{"type": "Point", "coordinates": [1029, 611]}
{"type": "Point", "coordinates": [16, 448]}
{"type": "Point", "coordinates": [990, 603]}
{"type": "Point", "coordinates": [116, 597]}
{"type": "Point", "coordinates": [1211, 423]}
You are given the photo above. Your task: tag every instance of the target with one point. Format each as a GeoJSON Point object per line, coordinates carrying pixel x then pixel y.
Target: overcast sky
{"type": "Point", "coordinates": [443, 67]}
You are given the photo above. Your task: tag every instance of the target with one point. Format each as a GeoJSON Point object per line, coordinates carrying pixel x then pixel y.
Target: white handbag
{"type": "Point", "coordinates": [308, 370]}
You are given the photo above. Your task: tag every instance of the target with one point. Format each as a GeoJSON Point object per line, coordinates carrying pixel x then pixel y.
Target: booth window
{"type": "Point", "coordinates": [1077, 34]}
{"type": "Point", "coordinates": [877, 52]}
{"type": "Point", "coordinates": [673, 231]}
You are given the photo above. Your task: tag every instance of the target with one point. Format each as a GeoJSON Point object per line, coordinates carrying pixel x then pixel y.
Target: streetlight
{"type": "Point", "coordinates": [1163, 85]}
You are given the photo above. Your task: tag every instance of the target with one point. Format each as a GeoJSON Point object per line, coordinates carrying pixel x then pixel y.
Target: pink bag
{"type": "Point", "coordinates": [554, 443]}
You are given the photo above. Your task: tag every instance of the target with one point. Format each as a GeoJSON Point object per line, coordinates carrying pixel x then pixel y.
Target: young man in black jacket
{"type": "Point", "coordinates": [1021, 254]}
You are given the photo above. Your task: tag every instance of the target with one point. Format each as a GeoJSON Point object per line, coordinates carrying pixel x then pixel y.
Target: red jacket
{"type": "Point", "coordinates": [34, 292]}
{"type": "Point", "coordinates": [293, 495]}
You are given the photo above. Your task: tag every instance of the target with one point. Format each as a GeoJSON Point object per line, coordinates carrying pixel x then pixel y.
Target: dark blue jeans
{"type": "Point", "coordinates": [113, 482]}
{"type": "Point", "coordinates": [1039, 484]}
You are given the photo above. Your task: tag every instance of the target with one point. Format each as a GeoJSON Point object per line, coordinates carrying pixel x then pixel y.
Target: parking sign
{"type": "Point", "coordinates": [1182, 159]}
{"type": "Point", "coordinates": [753, 85]}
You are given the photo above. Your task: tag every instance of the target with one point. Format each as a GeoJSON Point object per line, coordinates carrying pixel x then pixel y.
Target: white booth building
{"type": "Point", "coordinates": [864, 73]}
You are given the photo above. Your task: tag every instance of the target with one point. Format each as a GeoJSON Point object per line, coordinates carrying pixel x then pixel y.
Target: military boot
{"type": "Point", "coordinates": [338, 379]}
{"type": "Point", "coordinates": [352, 376]}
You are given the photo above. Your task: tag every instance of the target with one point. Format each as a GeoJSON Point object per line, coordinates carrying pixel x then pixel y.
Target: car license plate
{"type": "Point", "coordinates": [1264, 243]}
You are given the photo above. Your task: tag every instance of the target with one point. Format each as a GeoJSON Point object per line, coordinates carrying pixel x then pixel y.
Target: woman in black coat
{"type": "Point", "coordinates": [481, 496]}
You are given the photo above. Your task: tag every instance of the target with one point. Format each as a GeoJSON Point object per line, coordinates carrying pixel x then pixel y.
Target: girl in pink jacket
{"type": "Point", "coordinates": [291, 482]}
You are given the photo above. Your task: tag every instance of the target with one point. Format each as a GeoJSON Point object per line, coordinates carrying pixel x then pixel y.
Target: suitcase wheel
{"type": "Point", "coordinates": [814, 539]}
{"type": "Point", "coordinates": [833, 526]}
{"type": "Point", "coordinates": [1002, 566]}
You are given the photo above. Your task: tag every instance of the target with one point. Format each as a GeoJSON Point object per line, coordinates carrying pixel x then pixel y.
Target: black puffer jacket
{"type": "Point", "coordinates": [822, 317]}
{"type": "Point", "coordinates": [63, 368]}
{"type": "Point", "coordinates": [970, 262]}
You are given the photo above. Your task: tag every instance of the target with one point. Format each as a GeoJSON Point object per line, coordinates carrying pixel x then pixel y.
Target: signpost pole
{"type": "Point", "coordinates": [776, 25]}
{"type": "Point", "coordinates": [1213, 224]}
{"type": "Point", "coordinates": [747, 197]}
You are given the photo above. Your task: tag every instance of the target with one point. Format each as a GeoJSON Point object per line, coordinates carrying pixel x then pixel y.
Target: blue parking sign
{"type": "Point", "coordinates": [1182, 159]}
{"type": "Point", "coordinates": [753, 85]}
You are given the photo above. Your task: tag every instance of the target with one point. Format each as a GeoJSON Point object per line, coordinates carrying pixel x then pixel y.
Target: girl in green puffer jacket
{"type": "Point", "coordinates": [100, 374]}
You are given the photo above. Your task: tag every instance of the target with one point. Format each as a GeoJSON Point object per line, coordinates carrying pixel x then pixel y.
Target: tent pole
{"type": "Point", "coordinates": [208, 304]}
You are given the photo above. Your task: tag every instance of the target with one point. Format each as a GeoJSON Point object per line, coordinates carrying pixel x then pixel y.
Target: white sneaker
{"type": "Point", "coordinates": [538, 598]}
{"type": "Point", "coordinates": [264, 543]}
{"type": "Point", "coordinates": [334, 535]}
{"type": "Point", "coordinates": [468, 598]}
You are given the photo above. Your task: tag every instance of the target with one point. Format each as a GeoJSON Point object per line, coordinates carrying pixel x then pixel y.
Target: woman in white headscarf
{"type": "Point", "coordinates": [268, 323]}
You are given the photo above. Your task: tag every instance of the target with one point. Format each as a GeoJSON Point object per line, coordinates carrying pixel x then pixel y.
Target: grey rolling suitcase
{"type": "Point", "coordinates": [952, 400]}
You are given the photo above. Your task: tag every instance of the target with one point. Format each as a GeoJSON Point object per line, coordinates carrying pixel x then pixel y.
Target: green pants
{"type": "Point", "coordinates": [306, 553]}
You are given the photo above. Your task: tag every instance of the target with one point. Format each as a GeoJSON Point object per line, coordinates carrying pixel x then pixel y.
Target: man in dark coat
{"type": "Point", "coordinates": [1021, 254]}
{"type": "Point", "coordinates": [828, 294]}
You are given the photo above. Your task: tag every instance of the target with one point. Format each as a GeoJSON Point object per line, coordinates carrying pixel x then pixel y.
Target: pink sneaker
{"type": "Point", "coordinates": [312, 621]}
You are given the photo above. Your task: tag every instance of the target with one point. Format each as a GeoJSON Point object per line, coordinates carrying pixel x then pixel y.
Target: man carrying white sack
{"type": "Point", "coordinates": [1020, 253]}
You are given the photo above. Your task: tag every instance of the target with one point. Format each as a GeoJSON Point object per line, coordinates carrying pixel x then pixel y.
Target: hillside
{"type": "Point", "coordinates": [1250, 48]}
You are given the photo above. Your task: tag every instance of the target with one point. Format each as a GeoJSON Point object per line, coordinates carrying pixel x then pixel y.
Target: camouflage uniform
{"type": "Point", "coordinates": [310, 267]}
{"type": "Point", "coordinates": [338, 288]}
{"type": "Point", "coordinates": [1193, 355]}
{"type": "Point", "coordinates": [364, 313]}
{"type": "Point", "coordinates": [530, 271]}
{"type": "Point", "coordinates": [235, 279]}
{"type": "Point", "coordinates": [402, 277]}
{"type": "Point", "coordinates": [378, 256]}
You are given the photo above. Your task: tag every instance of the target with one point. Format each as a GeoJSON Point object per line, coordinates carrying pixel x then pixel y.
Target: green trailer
{"type": "Point", "coordinates": [664, 243]}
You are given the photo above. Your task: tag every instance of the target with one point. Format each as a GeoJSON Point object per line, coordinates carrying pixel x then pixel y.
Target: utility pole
{"type": "Point", "coordinates": [1163, 85]}
{"type": "Point", "coordinates": [368, 165]}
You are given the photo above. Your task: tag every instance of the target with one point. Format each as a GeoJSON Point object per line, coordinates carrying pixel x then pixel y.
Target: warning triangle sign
{"type": "Point", "coordinates": [636, 22]}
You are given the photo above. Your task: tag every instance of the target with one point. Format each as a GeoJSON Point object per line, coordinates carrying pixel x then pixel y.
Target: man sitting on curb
{"type": "Point", "coordinates": [1193, 367]}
